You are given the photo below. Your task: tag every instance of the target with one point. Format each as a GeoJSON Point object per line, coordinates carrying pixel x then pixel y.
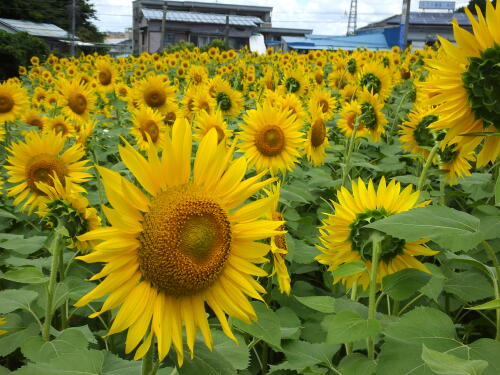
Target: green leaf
{"type": "Point", "coordinates": [469, 286]}
{"type": "Point", "coordinates": [487, 271]}
{"type": "Point", "coordinates": [27, 275]}
{"type": "Point", "coordinates": [435, 285]}
{"type": "Point", "coordinates": [266, 328]}
{"type": "Point", "coordinates": [24, 246]}
{"type": "Point", "coordinates": [405, 283]}
{"type": "Point", "coordinates": [69, 341]}
{"type": "Point", "coordinates": [349, 326]}
{"type": "Point", "coordinates": [206, 362]}
{"type": "Point", "coordinates": [301, 354]}
{"type": "Point", "coordinates": [4, 370]}
{"type": "Point", "coordinates": [447, 364]}
{"type": "Point", "coordinates": [357, 364]}
{"type": "Point", "coordinates": [497, 191]}
{"type": "Point", "coordinates": [348, 269]}
{"type": "Point", "coordinates": [235, 353]}
{"type": "Point", "coordinates": [324, 304]}
{"type": "Point", "coordinates": [13, 299]}
{"type": "Point", "coordinates": [289, 323]}
{"type": "Point", "coordinates": [14, 338]}
{"type": "Point", "coordinates": [490, 305]}
{"type": "Point", "coordinates": [8, 215]}
{"type": "Point", "coordinates": [451, 229]}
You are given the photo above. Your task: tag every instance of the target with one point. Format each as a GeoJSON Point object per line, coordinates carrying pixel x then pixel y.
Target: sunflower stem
{"type": "Point", "coordinates": [427, 165]}
{"type": "Point", "coordinates": [495, 281]}
{"type": "Point", "coordinates": [376, 251]}
{"type": "Point", "coordinates": [64, 306]}
{"type": "Point", "coordinates": [354, 297]}
{"type": "Point", "coordinates": [347, 160]}
{"type": "Point", "coordinates": [55, 249]}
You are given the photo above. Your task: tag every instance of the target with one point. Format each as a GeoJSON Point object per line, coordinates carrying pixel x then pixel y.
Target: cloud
{"type": "Point", "coordinates": [323, 16]}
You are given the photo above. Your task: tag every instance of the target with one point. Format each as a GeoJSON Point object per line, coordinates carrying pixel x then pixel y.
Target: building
{"type": "Point", "coordinates": [423, 27]}
{"type": "Point", "coordinates": [201, 23]}
{"type": "Point", "coordinates": [56, 38]}
{"type": "Point", "coordinates": [119, 46]}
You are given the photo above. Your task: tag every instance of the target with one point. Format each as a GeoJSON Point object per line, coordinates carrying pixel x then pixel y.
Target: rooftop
{"type": "Point", "coordinates": [47, 30]}
{"type": "Point", "coordinates": [373, 41]}
{"type": "Point", "coordinates": [196, 4]}
{"type": "Point", "coordinates": [428, 18]}
{"type": "Point", "coordinates": [195, 17]}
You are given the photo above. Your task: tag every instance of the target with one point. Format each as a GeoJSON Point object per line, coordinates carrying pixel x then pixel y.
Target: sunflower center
{"type": "Point", "coordinates": [220, 133]}
{"type": "Point", "coordinates": [151, 128]}
{"type": "Point", "coordinates": [448, 154]}
{"type": "Point", "coordinates": [6, 103]}
{"type": "Point", "coordinates": [422, 134]}
{"type": "Point", "coordinates": [481, 80]}
{"type": "Point", "coordinates": [368, 115]}
{"type": "Point", "coordinates": [280, 239]}
{"type": "Point", "coordinates": [270, 141]}
{"type": "Point", "coordinates": [351, 66]}
{"type": "Point", "coordinates": [35, 121]}
{"type": "Point", "coordinates": [185, 242]}
{"type": "Point", "coordinates": [154, 98]}
{"type": "Point", "coordinates": [318, 133]}
{"type": "Point", "coordinates": [105, 77]}
{"type": "Point", "coordinates": [41, 168]}
{"type": "Point", "coordinates": [324, 105]}
{"type": "Point", "coordinates": [59, 128]}
{"type": "Point", "coordinates": [360, 237]}
{"type": "Point", "coordinates": [371, 82]}
{"type": "Point", "coordinates": [292, 85]}
{"type": "Point", "coordinates": [77, 103]}
{"type": "Point", "coordinates": [170, 118]}
{"type": "Point", "coordinates": [223, 101]}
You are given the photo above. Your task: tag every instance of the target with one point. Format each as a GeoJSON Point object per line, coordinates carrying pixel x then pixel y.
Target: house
{"type": "Point", "coordinates": [423, 27]}
{"type": "Point", "coordinates": [200, 23]}
{"type": "Point", "coordinates": [119, 46]}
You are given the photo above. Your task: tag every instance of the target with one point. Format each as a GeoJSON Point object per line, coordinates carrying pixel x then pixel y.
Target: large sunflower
{"type": "Point", "coordinates": [348, 116]}
{"type": "Point", "coordinates": [324, 99]}
{"type": "Point", "coordinates": [228, 100]}
{"type": "Point", "coordinates": [105, 74]}
{"type": "Point", "coordinates": [149, 128]}
{"type": "Point", "coordinates": [295, 82]}
{"type": "Point", "coordinates": [154, 92]}
{"type": "Point", "coordinates": [344, 240]}
{"type": "Point", "coordinates": [416, 137]}
{"type": "Point", "coordinates": [372, 118]}
{"type": "Point", "coordinates": [271, 139]}
{"type": "Point", "coordinates": [186, 242]}
{"type": "Point", "coordinates": [465, 83]}
{"type": "Point", "coordinates": [38, 159]}
{"type": "Point", "coordinates": [13, 100]}
{"type": "Point", "coordinates": [455, 160]}
{"type": "Point", "coordinates": [317, 137]}
{"type": "Point", "coordinates": [205, 121]}
{"type": "Point", "coordinates": [77, 100]}
{"type": "Point", "coordinates": [376, 79]}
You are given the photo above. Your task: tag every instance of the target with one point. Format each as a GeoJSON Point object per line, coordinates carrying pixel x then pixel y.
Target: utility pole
{"type": "Point", "coordinates": [405, 20]}
{"type": "Point", "coordinates": [163, 20]}
{"type": "Point", "coordinates": [73, 27]}
{"type": "Point", "coordinates": [226, 32]}
{"type": "Point", "coordinates": [353, 16]}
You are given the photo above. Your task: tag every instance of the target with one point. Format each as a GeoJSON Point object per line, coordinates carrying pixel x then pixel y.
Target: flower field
{"type": "Point", "coordinates": [223, 212]}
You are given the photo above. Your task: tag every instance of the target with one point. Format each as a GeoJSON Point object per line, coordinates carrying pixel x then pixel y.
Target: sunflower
{"type": "Point", "coordinates": [105, 74]}
{"type": "Point", "coordinates": [202, 101]}
{"type": "Point", "coordinates": [372, 118]}
{"type": "Point", "coordinates": [77, 100]}
{"type": "Point", "coordinates": [349, 114]}
{"type": "Point", "coordinates": [66, 205]}
{"type": "Point", "coordinates": [154, 92]}
{"type": "Point", "coordinates": [229, 101]}
{"type": "Point", "coordinates": [279, 247]}
{"type": "Point", "coordinates": [415, 132]}
{"type": "Point", "coordinates": [197, 74]}
{"type": "Point", "coordinates": [292, 103]}
{"type": "Point", "coordinates": [294, 82]}
{"type": "Point", "coordinates": [344, 240]}
{"type": "Point", "coordinates": [187, 242]}
{"type": "Point", "coordinates": [149, 128]}
{"type": "Point", "coordinates": [324, 99]}
{"type": "Point", "coordinates": [34, 119]}
{"type": "Point", "coordinates": [205, 121]}
{"type": "Point", "coordinates": [2, 322]}
{"type": "Point", "coordinates": [13, 100]}
{"type": "Point", "coordinates": [465, 83]}
{"type": "Point", "coordinates": [271, 140]}
{"type": "Point", "coordinates": [39, 158]}
{"type": "Point", "coordinates": [376, 79]}
{"type": "Point", "coordinates": [455, 160]}
{"type": "Point", "coordinates": [317, 137]}
{"type": "Point", "coordinates": [60, 125]}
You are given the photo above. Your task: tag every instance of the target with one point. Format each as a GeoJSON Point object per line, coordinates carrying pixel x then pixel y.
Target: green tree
{"type": "Point", "coordinates": [57, 12]}
{"type": "Point", "coordinates": [472, 6]}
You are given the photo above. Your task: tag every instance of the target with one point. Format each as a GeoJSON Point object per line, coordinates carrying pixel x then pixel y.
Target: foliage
{"type": "Point", "coordinates": [215, 43]}
{"type": "Point", "coordinates": [179, 46]}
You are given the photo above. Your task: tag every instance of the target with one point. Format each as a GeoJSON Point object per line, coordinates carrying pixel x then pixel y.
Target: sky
{"type": "Point", "coordinates": [323, 16]}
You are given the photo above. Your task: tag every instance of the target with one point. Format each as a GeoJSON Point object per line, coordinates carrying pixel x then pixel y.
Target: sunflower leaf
{"type": "Point", "coordinates": [448, 364]}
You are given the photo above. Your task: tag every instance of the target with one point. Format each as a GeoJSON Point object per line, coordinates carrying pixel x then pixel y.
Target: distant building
{"type": "Point", "coordinates": [119, 46]}
{"type": "Point", "coordinates": [423, 26]}
{"type": "Point", "coordinates": [201, 23]}
{"type": "Point", "coordinates": [55, 37]}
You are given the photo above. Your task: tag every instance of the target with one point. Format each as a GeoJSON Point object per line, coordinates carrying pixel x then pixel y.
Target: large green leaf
{"type": "Point", "coordinates": [23, 245]}
{"type": "Point", "coordinates": [235, 353]}
{"type": "Point", "coordinates": [451, 229]}
{"type": "Point", "coordinates": [206, 362]}
{"type": "Point", "coordinates": [348, 326]}
{"type": "Point", "coordinates": [403, 284]}
{"type": "Point", "coordinates": [448, 364]}
{"type": "Point", "coordinates": [357, 364]}
{"type": "Point", "coordinates": [13, 299]}
{"type": "Point", "coordinates": [490, 305]}
{"type": "Point", "coordinates": [324, 304]}
{"type": "Point", "coordinates": [17, 332]}
{"type": "Point", "coordinates": [469, 286]}
{"type": "Point", "coordinates": [301, 355]}
{"type": "Point", "coordinates": [27, 275]}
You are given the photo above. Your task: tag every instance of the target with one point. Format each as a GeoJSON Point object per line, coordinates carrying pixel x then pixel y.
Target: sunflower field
{"type": "Point", "coordinates": [223, 212]}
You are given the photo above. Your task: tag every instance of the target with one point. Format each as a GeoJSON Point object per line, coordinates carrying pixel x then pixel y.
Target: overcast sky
{"type": "Point", "coordinates": [323, 16]}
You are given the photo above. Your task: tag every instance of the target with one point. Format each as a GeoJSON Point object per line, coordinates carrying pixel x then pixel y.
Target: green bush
{"type": "Point", "coordinates": [216, 43]}
{"type": "Point", "coordinates": [16, 50]}
{"type": "Point", "coordinates": [179, 46]}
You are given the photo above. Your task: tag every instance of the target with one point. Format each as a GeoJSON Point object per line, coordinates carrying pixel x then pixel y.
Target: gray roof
{"type": "Point", "coordinates": [375, 41]}
{"type": "Point", "coordinates": [194, 17]}
{"type": "Point", "coordinates": [422, 18]}
{"type": "Point", "coordinates": [47, 30]}
{"type": "Point", "coordinates": [197, 4]}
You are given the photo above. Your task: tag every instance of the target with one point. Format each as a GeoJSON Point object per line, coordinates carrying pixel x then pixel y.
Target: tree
{"type": "Point", "coordinates": [57, 12]}
{"type": "Point", "coordinates": [472, 6]}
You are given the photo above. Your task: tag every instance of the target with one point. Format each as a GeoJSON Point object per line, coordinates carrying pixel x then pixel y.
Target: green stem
{"type": "Point", "coordinates": [55, 248]}
{"type": "Point", "coordinates": [376, 251]}
{"type": "Point", "coordinates": [395, 308]}
{"type": "Point", "coordinates": [495, 281]}
{"type": "Point", "coordinates": [354, 297]}
{"type": "Point", "coordinates": [420, 295]}
{"type": "Point", "coordinates": [64, 306]}
{"type": "Point", "coordinates": [147, 361]}
{"type": "Point", "coordinates": [427, 165]}
{"type": "Point", "coordinates": [347, 160]}
{"type": "Point", "coordinates": [395, 119]}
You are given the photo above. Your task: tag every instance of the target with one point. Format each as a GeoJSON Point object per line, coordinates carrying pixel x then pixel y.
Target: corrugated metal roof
{"type": "Point", "coordinates": [47, 30]}
{"type": "Point", "coordinates": [370, 41]}
{"type": "Point", "coordinates": [195, 17]}
{"type": "Point", "coordinates": [432, 18]}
